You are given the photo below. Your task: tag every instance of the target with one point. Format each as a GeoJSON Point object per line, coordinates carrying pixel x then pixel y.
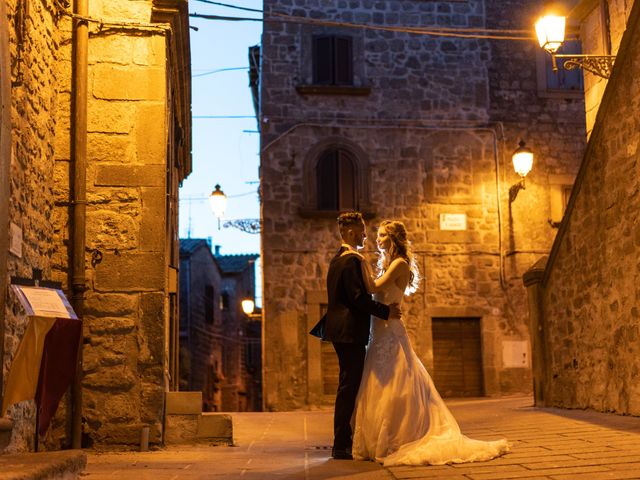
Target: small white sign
{"type": "Point", "coordinates": [453, 221]}
{"type": "Point", "coordinates": [515, 354]}
{"type": "Point", "coordinates": [44, 302]}
{"type": "Point", "coordinates": [15, 240]}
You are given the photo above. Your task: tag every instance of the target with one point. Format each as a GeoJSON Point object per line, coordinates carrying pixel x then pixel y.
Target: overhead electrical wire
{"type": "Point", "coordinates": [480, 33]}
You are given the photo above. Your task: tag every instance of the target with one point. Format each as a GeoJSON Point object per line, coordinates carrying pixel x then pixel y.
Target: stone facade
{"type": "Point", "coordinates": [587, 300]}
{"type": "Point", "coordinates": [138, 144]}
{"type": "Point", "coordinates": [430, 122]}
{"type": "Point", "coordinates": [219, 346]}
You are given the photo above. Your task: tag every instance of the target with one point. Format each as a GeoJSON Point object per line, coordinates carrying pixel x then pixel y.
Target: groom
{"type": "Point", "coordinates": [347, 323]}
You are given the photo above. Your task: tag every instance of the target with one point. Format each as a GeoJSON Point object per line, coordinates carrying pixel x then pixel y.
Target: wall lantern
{"type": "Point", "coordinates": [218, 202]}
{"type": "Point", "coordinates": [248, 306]}
{"type": "Point", "coordinates": [522, 162]}
{"type": "Point", "coordinates": [550, 30]}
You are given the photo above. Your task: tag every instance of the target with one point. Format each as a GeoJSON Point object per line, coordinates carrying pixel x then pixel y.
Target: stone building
{"type": "Point", "coordinates": [584, 304]}
{"type": "Point", "coordinates": [220, 346]}
{"type": "Point", "coordinates": [201, 328]}
{"type": "Point", "coordinates": [95, 139]}
{"type": "Point", "coordinates": [420, 128]}
{"type": "Point", "coordinates": [242, 365]}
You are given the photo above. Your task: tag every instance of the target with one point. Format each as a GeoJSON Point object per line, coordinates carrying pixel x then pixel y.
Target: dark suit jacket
{"type": "Point", "coordinates": [350, 305]}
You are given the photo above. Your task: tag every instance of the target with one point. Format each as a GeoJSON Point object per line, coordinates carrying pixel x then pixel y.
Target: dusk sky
{"type": "Point", "coordinates": [225, 150]}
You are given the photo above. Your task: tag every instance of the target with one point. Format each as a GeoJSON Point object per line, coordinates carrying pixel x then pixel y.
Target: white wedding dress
{"type": "Point", "coordinates": [400, 419]}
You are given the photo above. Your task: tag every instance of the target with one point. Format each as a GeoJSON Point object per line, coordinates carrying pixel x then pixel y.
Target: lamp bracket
{"type": "Point", "coordinates": [515, 189]}
{"type": "Point", "coordinates": [600, 65]}
{"type": "Point", "coordinates": [247, 225]}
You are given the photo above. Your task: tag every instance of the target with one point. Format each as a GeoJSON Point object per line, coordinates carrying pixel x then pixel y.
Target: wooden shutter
{"type": "Point", "coordinates": [343, 58]}
{"type": "Point", "coordinates": [327, 181]}
{"type": "Point", "coordinates": [457, 357]}
{"type": "Point", "coordinates": [323, 60]}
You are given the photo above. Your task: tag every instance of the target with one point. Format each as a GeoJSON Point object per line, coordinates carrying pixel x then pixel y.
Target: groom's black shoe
{"type": "Point", "coordinates": [341, 455]}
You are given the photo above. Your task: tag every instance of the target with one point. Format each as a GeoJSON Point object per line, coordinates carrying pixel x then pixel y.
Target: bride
{"type": "Point", "coordinates": [400, 418]}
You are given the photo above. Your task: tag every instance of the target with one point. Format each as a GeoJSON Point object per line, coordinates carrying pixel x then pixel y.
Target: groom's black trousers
{"type": "Point", "coordinates": [351, 360]}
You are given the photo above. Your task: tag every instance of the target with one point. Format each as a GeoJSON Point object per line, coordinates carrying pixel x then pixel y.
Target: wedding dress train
{"type": "Point", "coordinates": [400, 418]}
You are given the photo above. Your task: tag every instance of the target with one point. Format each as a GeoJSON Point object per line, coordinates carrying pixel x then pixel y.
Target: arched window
{"type": "Point", "coordinates": [336, 180]}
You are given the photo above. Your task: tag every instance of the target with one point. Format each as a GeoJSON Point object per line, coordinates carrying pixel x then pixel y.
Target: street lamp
{"type": "Point", "coordinates": [522, 159]}
{"type": "Point", "coordinates": [247, 306]}
{"type": "Point", "coordinates": [550, 30]}
{"type": "Point", "coordinates": [218, 202]}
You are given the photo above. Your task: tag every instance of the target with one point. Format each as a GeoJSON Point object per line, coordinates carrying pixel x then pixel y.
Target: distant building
{"type": "Point", "coordinates": [220, 346]}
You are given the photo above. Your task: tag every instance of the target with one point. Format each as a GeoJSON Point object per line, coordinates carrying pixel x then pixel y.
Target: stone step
{"type": "Point", "coordinates": [213, 428]}
{"type": "Point", "coordinates": [61, 465]}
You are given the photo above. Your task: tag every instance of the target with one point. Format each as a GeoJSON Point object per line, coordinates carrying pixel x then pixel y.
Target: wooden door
{"type": "Point", "coordinates": [457, 357]}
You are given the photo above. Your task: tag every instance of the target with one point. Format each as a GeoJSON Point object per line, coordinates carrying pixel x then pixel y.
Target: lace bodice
{"type": "Point", "coordinates": [386, 334]}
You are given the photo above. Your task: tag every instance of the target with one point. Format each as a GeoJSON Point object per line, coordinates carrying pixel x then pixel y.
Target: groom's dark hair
{"type": "Point", "coordinates": [349, 219]}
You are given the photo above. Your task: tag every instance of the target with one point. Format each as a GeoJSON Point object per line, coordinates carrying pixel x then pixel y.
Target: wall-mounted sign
{"type": "Point", "coordinates": [453, 221]}
{"type": "Point", "coordinates": [15, 240]}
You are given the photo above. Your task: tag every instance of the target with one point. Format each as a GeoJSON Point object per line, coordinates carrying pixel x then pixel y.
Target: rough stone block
{"type": "Point", "coordinates": [150, 133]}
{"type": "Point", "coordinates": [150, 331]}
{"type": "Point", "coordinates": [215, 427]}
{"type": "Point", "coordinates": [181, 403]}
{"type": "Point", "coordinates": [112, 82]}
{"type": "Point", "coordinates": [110, 116]}
{"type": "Point", "coordinates": [110, 229]}
{"type": "Point", "coordinates": [130, 175]}
{"type": "Point", "coordinates": [112, 304]}
{"type": "Point", "coordinates": [180, 429]}
{"type": "Point", "coordinates": [105, 147]}
{"type": "Point", "coordinates": [152, 228]}
{"type": "Point", "coordinates": [131, 271]}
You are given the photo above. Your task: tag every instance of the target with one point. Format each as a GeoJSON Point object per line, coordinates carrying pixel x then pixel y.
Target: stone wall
{"type": "Point", "coordinates": [31, 205]}
{"type": "Point", "coordinates": [433, 135]}
{"type": "Point", "coordinates": [590, 299]}
{"type": "Point", "coordinates": [138, 152]}
{"type": "Point", "coordinates": [602, 24]}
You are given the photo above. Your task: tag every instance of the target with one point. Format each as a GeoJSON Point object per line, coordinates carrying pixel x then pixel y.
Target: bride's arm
{"type": "Point", "coordinates": [399, 268]}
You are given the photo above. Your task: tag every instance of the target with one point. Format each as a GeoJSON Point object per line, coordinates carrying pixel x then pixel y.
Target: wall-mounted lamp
{"type": "Point", "coordinates": [550, 30]}
{"type": "Point", "coordinates": [248, 306]}
{"type": "Point", "coordinates": [218, 202]}
{"type": "Point", "coordinates": [522, 162]}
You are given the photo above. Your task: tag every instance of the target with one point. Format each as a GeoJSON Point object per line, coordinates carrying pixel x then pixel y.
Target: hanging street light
{"type": "Point", "coordinates": [218, 202]}
{"type": "Point", "coordinates": [550, 30]}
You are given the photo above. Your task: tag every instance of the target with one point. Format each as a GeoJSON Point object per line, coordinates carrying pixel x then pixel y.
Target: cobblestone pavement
{"type": "Point", "coordinates": [547, 444]}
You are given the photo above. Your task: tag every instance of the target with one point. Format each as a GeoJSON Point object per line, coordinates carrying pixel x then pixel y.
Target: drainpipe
{"type": "Point", "coordinates": [5, 161]}
{"type": "Point", "coordinates": [79, 187]}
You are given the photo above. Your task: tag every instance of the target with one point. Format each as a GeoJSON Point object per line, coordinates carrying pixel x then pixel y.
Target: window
{"type": "Point", "coordinates": [224, 301]}
{"type": "Point", "coordinates": [332, 60]}
{"type": "Point", "coordinates": [209, 303]}
{"type": "Point", "coordinates": [336, 181]}
{"type": "Point", "coordinates": [565, 79]}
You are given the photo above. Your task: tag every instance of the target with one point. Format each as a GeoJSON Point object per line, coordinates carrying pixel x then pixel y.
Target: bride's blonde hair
{"type": "Point", "coordinates": [400, 248]}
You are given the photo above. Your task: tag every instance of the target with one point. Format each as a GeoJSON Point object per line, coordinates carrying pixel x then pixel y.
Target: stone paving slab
{"type": "Point", "coordinates": [549, 444]}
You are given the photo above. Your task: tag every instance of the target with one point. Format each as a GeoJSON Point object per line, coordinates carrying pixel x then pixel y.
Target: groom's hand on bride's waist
{"type": "Point", "coordinates": [394, 310]}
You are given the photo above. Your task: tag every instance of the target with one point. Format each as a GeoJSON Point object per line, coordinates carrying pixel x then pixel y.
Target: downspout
{"type": "Point", "coordinates": [79, 187]}
{"type": "Point", "coordinates": [5, 161]}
